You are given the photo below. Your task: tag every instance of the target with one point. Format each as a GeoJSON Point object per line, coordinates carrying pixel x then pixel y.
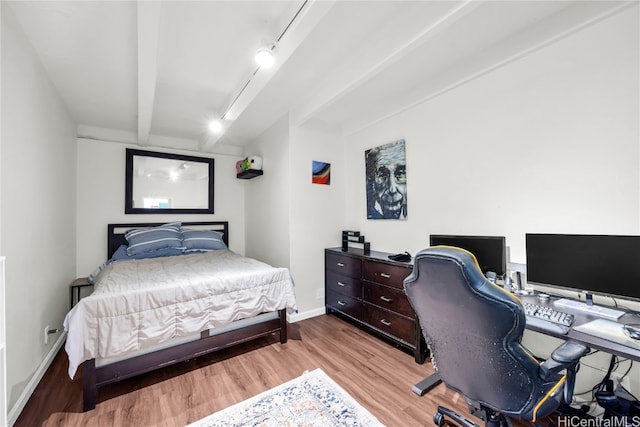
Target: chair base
{"type": "Point", "coordinates": [439, 418]}
{"type": "Point", "coordinates": [491, 418]}
{"type": "Point", "coordinates": [445, 416]}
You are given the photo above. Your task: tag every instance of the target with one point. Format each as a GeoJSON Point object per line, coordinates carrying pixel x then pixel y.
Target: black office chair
{"type": "Point", "coordinates": [474, 330]}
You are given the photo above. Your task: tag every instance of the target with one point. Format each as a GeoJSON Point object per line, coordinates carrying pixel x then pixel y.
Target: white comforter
{"type": "Point", "coordinates": [137, 304]}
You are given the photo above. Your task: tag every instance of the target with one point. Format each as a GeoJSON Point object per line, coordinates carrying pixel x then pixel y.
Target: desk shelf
{"type": "Point", "coordinates": [593, 341]}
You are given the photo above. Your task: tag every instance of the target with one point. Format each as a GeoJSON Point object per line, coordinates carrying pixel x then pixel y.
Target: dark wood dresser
{"type": "Point", "coordinates": [368, 290]}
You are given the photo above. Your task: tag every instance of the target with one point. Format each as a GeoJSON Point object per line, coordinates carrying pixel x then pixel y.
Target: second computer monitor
{"type": "Point", "coordinates": [490, 251]}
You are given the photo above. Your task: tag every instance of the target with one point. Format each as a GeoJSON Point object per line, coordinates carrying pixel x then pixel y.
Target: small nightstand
{"type": "Point", "coordinates": [75, 288]}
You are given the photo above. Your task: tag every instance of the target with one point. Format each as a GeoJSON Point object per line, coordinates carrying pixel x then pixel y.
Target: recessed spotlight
{"type": "Point", "coordinates": [264, 58]}
{"type": "Point", "coordinates": [215, 126]}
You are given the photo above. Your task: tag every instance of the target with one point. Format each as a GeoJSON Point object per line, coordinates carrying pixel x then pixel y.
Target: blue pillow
{"type": "Point", "coordinates": [154, 238]}
{"type": "Point", "coordinates": [202, 240]}
{"type": "Point", "coordinates": [121, 253]}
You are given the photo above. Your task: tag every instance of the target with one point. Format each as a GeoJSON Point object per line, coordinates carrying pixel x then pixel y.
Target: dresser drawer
{"type": "Point", "coordinates": [391, 323]}
{"type": "Point", "coordinates": [390, 298]}
{"type": "Point", "coordinates": [342, 284]}
{"type": "Point", "coordinates": [343, 264]}
{"type": "Point", "coordinates": [345, 304]}
{"type": "Point", "coordinates": [386, 274]}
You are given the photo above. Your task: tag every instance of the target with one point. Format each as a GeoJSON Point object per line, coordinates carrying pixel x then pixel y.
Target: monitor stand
{"type": "Point", "coordinates": [589, 308]}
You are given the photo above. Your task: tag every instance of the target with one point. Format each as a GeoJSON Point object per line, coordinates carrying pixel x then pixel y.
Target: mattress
{"type": "Point", "coordinates": [143, 304]}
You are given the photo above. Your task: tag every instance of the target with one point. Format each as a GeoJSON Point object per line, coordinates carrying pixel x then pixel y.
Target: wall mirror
{"type": "Point", "coordinates": [167, 183]}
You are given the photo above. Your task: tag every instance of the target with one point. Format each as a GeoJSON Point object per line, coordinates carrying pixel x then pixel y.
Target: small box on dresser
{"type": "Point", "coordinates": [368, 290]}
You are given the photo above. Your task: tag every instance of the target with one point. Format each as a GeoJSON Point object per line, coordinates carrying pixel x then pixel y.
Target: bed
{"type": "Point", "coordinates": [154, 311]}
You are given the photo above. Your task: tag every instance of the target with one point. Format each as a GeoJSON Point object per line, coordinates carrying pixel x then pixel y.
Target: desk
{"type": "Point", "coordinates": [591, 341]}
{"type": "Point", "coordinates": [580, 318]}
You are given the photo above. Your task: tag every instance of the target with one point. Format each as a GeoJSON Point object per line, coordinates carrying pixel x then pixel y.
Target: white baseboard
{"type": "Point", "coordinates": [296, 317]}
{"type": "Point", "coordinates": [17, 408]}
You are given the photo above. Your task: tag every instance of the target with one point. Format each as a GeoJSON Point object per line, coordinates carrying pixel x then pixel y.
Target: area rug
{"type": "Point", "coordinates": [312, 399]}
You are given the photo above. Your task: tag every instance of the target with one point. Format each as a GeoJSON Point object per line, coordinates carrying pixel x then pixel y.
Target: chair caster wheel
{"type": "Point", "coordinates": [438, 419]}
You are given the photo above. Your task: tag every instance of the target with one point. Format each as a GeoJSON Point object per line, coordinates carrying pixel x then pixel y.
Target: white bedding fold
{"type": "Point", "coordinates": [137, 304]}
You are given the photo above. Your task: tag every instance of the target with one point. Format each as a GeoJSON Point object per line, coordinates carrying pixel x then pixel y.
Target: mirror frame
{"type": "Point", "coordinates": [128, 190]}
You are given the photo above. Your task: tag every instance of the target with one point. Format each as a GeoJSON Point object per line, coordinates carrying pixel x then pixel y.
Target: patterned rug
{"type": "Point", "coordinates": [313, 399]}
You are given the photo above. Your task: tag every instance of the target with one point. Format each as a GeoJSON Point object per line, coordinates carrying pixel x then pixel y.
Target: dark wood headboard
{"type": "Point", "coordinates": [115, 232]}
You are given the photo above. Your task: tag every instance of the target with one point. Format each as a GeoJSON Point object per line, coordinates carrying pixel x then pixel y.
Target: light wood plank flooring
{"type": "Point", "coordinates": [375, 373]}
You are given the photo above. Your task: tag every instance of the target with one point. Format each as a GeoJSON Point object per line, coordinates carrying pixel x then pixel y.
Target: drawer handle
{"type": "Point", "coordinates": [385, 299]}
{"type": "Point", "coordinates": [342, 304]}
{"type": "Point", "coordinates": [385, 275]}
{"type": "Point", "coordinates": [341, 284]}
{"type": "Point", "coordinates": [385, 322]}
{"type": "Point", "coordinates": [340, 264]}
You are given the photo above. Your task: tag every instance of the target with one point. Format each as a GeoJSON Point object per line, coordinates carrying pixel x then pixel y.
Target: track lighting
{"type": "Point", "coordinates": [215, 126]}
{"type": "Point", "coordinates": [264, 57]}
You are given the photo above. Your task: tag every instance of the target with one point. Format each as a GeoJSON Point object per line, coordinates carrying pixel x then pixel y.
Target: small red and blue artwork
{"type": "Point", "coordinates": [321, 173]}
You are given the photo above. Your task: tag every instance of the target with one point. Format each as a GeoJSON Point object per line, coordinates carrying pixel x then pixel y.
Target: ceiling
{"type": "Point", "coordinates": [154, 73]}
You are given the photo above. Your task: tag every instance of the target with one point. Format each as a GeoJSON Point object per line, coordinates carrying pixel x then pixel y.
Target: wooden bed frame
{"type": "Point", "coordinates": [94, 377]}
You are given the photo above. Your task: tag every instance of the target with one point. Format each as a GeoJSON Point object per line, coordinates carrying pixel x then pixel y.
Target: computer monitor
{"type": "Point", "coordinates": [600, 264]}
{"type": "Point", "coordinates": [490, 251]}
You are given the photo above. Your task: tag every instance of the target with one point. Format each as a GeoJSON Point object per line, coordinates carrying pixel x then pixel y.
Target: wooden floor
{"type": "Point", "coordinates": [375, 373]}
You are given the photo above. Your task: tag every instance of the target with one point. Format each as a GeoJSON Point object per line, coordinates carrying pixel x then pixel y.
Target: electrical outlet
{"type": "Point", "coordinates": [319, 293]}
{"type": "Point", "coordinates": [46, 335]}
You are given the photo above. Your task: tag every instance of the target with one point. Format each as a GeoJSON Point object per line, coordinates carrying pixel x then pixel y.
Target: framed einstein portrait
{"type": "Point", "coordinates": [386, 177]}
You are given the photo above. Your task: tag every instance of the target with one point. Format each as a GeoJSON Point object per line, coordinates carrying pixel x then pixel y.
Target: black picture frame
{"type": "Point", "coordinates": [129, 206]}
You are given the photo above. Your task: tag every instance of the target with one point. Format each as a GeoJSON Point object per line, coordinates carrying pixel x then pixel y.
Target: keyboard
{"type": "Point", "coordinates": [548, 319]}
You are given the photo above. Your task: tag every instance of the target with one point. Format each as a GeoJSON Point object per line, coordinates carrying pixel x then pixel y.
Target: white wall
{"type": "Point", "coordinates": [100, 193]}
{"type": "Point", "coordinates": [549, 143]}
{"type": "Point", "coordinates": [292, 231]}
{"type": "Point", "coordinates": [317, 213]}
{"type": "Point", "coordinates": [38, 205]}
{"type": "Point", "coordinates": [267, 198]}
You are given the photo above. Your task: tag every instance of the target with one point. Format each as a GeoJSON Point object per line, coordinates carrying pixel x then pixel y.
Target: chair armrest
{"type": "Point", "coordinates": [565, 356]}
{"type": "Point", "coordinates": [569, 352]}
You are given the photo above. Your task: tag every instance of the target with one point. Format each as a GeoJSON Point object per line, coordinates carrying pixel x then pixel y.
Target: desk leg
{"type": "Point", "coordinates": [426, 384]}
